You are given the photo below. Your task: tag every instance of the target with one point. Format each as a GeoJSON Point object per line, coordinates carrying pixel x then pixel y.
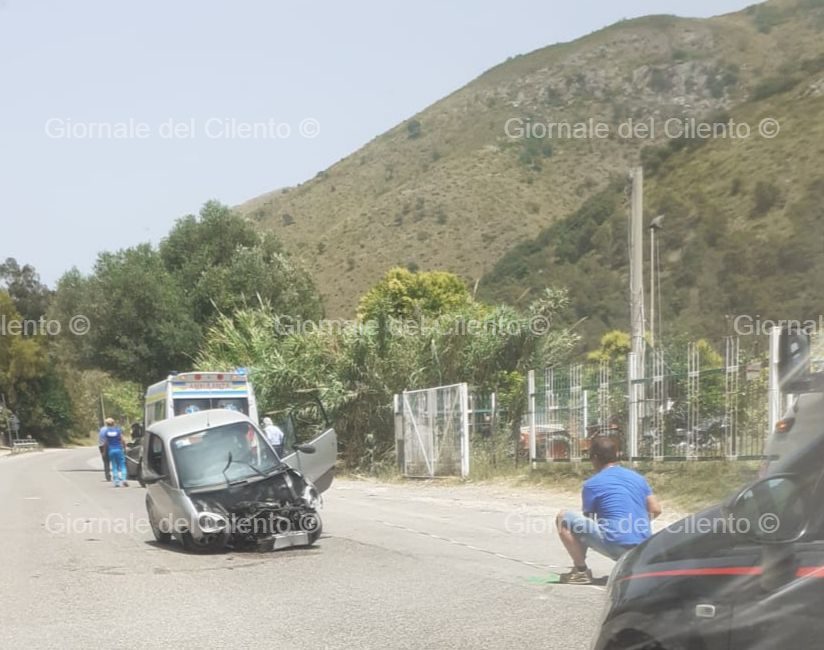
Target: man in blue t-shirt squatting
{"type": "Point", "coordinates": [618, 505]}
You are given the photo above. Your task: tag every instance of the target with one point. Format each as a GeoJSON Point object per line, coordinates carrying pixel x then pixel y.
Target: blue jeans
{"type": "Point", "coordinates": [117, 460]}
{"type": "Point", "coordinates": [590, 535]}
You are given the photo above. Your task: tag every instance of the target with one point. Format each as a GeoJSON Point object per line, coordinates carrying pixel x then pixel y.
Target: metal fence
{"type": "Point", "coordinates": [432, 431]}
{"type": "Point", "coordinates": [692, 405]}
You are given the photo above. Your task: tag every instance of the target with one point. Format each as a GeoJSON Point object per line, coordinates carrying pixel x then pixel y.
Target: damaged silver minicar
{"type": "Point", "coordinates": [213, 481]}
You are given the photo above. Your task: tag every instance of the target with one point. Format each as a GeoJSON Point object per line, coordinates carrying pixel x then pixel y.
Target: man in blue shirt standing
{"type": "Point", "coordinates": [101, 446]}
{"type": "Point", "coordinates": [618, 506]}
{"type": "Point", "coordinates": [117, 457]}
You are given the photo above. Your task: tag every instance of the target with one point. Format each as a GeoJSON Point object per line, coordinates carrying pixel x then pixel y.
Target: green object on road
{"type": "Point", "coordinates": [555, 579]}
{"type": "Point", "coordinates": [548, 579]}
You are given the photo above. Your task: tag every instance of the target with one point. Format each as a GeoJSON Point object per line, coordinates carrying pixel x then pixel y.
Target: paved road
{"type": "Point", "coordinates": [399, 566]}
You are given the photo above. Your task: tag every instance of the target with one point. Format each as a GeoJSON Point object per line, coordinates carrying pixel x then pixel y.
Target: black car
{"type": "Point", "coordinates": [748, 573]}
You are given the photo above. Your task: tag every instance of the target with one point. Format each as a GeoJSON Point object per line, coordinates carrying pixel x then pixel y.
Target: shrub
{"type": "Point", "coordinates": [413, 129]}
{"type": "Point", "coordinates": [660, 81]}
{"type": "Point", "coordinates": [553, 97]}
{"type": "Point", "coordinates": [533, 151]}
{"type": "Point", "coordinates": [766, 197]}
{"type": "Point", "coordinates": [652, 157]}
{"type": "Point", "coordinates": [773, 86]}
{"type": "Point", "coordinates": [721, 79]}
{"type": "Point", "coordinates": [766, 17]}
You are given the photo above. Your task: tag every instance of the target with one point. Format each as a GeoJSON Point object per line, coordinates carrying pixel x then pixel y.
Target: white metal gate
{"type": "Point", "coordinates": [434, 431]}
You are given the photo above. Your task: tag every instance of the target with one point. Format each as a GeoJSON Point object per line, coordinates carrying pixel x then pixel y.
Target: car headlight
{"type": "Point", "coordinates": [210, 522]}
{"type": "Point", "coordinates": [311, 497]}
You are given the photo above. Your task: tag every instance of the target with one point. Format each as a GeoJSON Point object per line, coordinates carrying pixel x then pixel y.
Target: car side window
{"type": "Point", "coordinates": [156, 458]}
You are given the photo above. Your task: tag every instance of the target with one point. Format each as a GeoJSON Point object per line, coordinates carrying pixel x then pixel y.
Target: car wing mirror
{"type": "Point", "coordinates": [305, 449]}
{"type": "Point", "coordinates": [773, 510]}
{"type": "Point", "coordinates": [150, 477]}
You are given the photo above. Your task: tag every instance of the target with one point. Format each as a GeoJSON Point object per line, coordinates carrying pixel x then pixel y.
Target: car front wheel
{"type": "Point", "coordinates": [211, 543]}
{"type": "Point", "coordinates": [163, 537]}
{"type": "Point", "coordinates": [313, 525]}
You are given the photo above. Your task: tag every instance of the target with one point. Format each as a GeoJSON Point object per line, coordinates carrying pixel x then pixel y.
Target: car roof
{"type": "Point", "coordinates": [183, 424]}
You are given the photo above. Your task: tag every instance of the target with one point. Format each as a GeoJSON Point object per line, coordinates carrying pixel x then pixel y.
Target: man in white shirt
{"type": "Point", "coordinates": [274, 435]}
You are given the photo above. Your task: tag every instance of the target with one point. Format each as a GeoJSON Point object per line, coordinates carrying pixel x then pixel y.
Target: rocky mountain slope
{"type": "Point", "coordinates": [458, 185]}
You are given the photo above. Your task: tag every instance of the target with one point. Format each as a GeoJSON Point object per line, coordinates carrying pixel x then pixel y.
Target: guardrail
{"type": "Point", "coordinates": [19, 446]}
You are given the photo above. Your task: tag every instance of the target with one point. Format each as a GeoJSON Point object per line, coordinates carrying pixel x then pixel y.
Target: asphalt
{"type": "Point", "coordinates": [413, 565]}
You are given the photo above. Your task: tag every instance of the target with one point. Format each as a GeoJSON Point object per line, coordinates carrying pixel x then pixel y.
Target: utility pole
{"type": "Point", "coordinates": [654, 226]}
{"type": "Point", "coordinates": [636, 289]}
{"type": "Point", "coordinates": [652, 288]}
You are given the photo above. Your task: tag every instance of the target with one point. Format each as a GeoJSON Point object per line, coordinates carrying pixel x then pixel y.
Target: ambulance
{"type": "Point", "coordinates": [191, 392]}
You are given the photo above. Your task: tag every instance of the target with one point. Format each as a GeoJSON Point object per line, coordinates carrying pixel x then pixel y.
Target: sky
{"type": "Point", "coordinates": [116, 119]}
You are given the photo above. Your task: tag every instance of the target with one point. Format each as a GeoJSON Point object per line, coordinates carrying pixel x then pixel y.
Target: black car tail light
{"type": "Point", "coordinates": [783, 426]}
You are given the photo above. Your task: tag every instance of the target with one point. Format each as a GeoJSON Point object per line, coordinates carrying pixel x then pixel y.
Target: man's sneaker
{"type": "Point", "coordinates": [576, 577]}
{"type": "Point", "coordinates": [125, 484]}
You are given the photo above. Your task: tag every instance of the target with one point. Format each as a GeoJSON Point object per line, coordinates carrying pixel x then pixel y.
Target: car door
{"type": "Point", "coordinates": [134, 453]}
{"type": "Point", "coordinates": [307, 423]}
{"type": "Point", "coordinates": [318, 467]}
{"type": "Point", "coordinates": [156, 463]}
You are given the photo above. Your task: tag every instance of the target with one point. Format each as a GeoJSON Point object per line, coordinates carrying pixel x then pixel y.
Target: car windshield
{"type": "Point", "coordinates": [228, 453]}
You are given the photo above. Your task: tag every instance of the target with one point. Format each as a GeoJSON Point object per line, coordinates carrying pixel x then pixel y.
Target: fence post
{"type": "Point", "coordinates": [530, 380]}
{"type": "Point", "coordinates": [659, 404]}
{"type": "Point", "coordinates": [399, 437]}
{"type": "Point", "coordinates": [731, 397]}
{"type": "Point", "coordinates": [493, 414]}
{"type": "Point", "coordinates": [464, 397]}
{"type": "Point", "coordinates": [604, 414]}
{"type": "Point", "coordinates": [774, 409]}
{"type": "Point", "coordinates": [632, 424]}
{"type": "Point", "coordinates": [693, 399]}
{"type": "Point", "coordinates": [576, 411]}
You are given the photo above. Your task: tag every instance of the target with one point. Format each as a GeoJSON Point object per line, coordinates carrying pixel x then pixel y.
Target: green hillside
{"type": "Point", "coordinates": [743, 229]}
{"type": "Point", "coordinates": [450, 189]}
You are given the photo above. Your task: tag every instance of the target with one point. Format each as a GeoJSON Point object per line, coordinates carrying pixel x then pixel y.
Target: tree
{"type": "Point", "coordinates": [30, 296]}
{"type": "Point", "coordinates": [140, 322]}
{"type": "Point", "coordinates": [21, 358]}
{"type": "Point", "coordinates": [34, 390]}
{"type": "Point", "coordinates": [615, 346]}
{"type": "Point", "coordinates": [357, 369]}
{"type": "Point", "coordinates": [406, 294]}
{"type": "Point", "coordinates": [225, 264]}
